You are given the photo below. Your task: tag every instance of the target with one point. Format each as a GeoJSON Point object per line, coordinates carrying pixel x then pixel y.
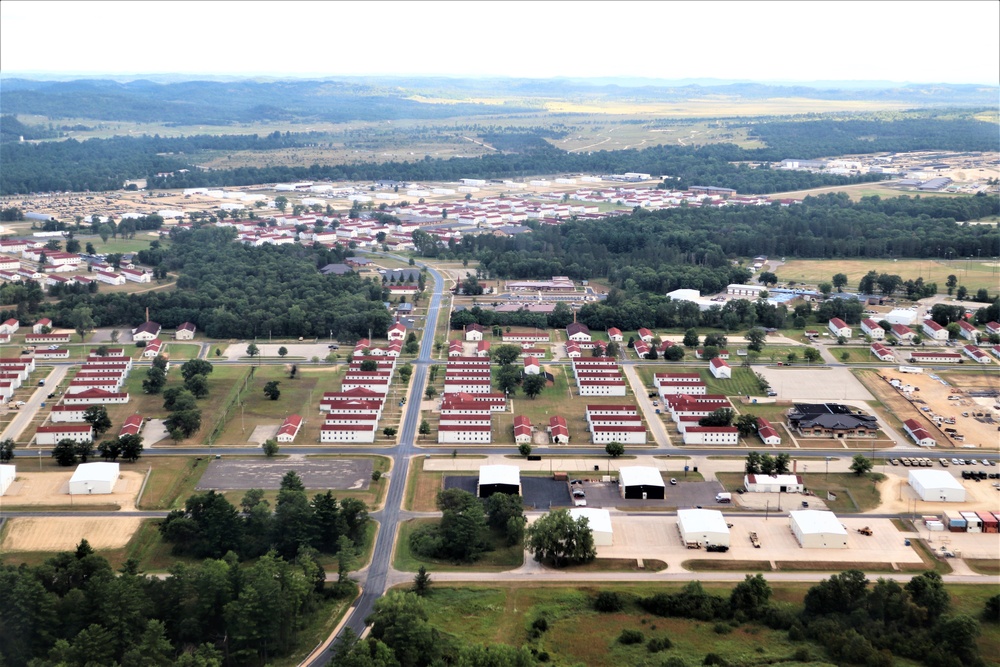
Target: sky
{"type": "Point", "coordinates": [953, 42]}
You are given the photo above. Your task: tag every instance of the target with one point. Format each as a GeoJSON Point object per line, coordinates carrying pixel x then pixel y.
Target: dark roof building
{"type": "Point", "coordinates": [335, 269]}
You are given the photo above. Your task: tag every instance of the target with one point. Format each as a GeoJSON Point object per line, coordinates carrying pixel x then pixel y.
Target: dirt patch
{"type": "Point", "coordinates": [61, 534]}
{"type": "Point", "coordinates": [932, 396]}
{"type": "Point", "coordinates": [52, 489]}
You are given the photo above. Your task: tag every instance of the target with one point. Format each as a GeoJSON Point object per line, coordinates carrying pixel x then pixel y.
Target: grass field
{"type": "Point", "coordinates": [973, 274]}
{"type": "Point", "coordinates": [171, 480]}
{"type": "Point", "coordinates": [499, 559]}
{"type": "Point", "coordinates": [578, 635]}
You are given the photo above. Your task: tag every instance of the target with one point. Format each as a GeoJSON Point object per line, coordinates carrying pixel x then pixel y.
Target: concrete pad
{"type": "Point", "coordinates": [800, 383]}
{"type": "Point", "coordinates": [263, 432]}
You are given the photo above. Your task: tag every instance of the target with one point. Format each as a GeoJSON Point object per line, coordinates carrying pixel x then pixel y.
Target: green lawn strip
{"type": "Point", "coordinates": [618, 565]}
{"type": "Point", "coordinates": [706, 565]}
{"type": "Point", "coordinates": [171, 481]}
{"type": "Point", "coordinates": [422, 489]}
{"type": "Point", "coordinates": [501, 558]}
{"type": "Point", "coordinates": [984, 566]}
{"type": "Point", "coordinates": [865, 496]}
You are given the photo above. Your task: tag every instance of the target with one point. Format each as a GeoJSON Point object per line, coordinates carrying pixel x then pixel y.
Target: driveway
{"type": "Point", "coordinates": [30, 408]}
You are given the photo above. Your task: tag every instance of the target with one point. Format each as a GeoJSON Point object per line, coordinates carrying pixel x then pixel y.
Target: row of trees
{"type": "Point", "coordinates": [210, 526]}
{"type": "Point", "coordinates": [73, 610]}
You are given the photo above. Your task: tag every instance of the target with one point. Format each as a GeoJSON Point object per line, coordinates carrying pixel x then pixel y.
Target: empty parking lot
{"type": "Point", "coordinates": [234, 474]}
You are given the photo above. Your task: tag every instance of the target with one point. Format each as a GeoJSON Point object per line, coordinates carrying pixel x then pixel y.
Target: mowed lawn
{"type": "Point", "coordinates": [300, 395]}
{"type": "Point", "coordinates": [742, 383]}
{"type": "Point", "coordinates": [222, 383]}
{"type": "Point", "coordinates": [974, 274]}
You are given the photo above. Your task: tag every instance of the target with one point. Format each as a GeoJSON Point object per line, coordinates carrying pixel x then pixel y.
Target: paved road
{"type": "Point", "coordinates": [31, 406]}
{"type": "Point", "coordinates": [376, 576]}
{"type": "Point", "coordinates": [646, 405]}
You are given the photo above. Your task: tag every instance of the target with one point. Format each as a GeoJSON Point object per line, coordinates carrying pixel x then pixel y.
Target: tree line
{"type": "Point", "coordinates": [210, 526]}
{"type": "Point", "coordinates": [230, 290]}
{"type": "Point", "coordinates": [74, 610]}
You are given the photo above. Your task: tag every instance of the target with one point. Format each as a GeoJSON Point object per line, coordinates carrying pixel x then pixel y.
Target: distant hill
{"type": "Point", "coordinates": [164, 99]}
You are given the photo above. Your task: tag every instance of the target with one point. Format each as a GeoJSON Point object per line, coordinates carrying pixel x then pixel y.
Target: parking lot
{"type": "Point", "coordinates": [543, 492]}
{"type": "Point", "coordinates": [234, 474]}
{"type": "Point", "coordinates": [656, 537]}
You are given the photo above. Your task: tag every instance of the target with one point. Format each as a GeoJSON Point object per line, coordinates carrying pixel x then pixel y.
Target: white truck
{"type": "Point", "coordinates": [724, 498]}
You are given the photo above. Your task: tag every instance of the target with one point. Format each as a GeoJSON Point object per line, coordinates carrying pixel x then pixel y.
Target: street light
{"type": "Point", "coordinates": [828, 459]}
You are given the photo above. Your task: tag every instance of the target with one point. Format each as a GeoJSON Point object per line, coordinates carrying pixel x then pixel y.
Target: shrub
{"type": "Point", "coordinates": [658, 644]}
{"type": "Point", "coordinates": [714, 659]}
{"type": "Point", "coordinates": [631, 637]}
{"type": "Point", "coordinates": [796, 633]}
{"type": "Point", "coordinates": [608, 601]}
{"type": "Point", "coordinates": [540, 624]}
{"type": "Point", "coordinates": [426, 541]}
{"type": "Point", "coordinates": [802, 655]}
{"type": "Point", "coordinates": [722, 629]}
{"type": "Point", "coordinates": [674, 661]}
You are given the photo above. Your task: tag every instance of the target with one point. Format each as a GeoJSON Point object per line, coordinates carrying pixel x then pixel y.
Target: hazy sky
{"type": "Point", "coordinates": [953, 42]}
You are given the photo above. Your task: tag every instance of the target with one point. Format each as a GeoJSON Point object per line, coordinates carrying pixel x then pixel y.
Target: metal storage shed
{"type": "Point", "coordinates": [773, 483]}
{"type": "Point", "coordinates": [816, 529]}
{"type": "Point", "coordinates": [600, 523]}
{"type": "Point", "coordinates": [641, 483]}
{"type": "Point", "coordinates": [499, 479]}
{"type": "Point", "coordinates": [91, 478]}
{"type": "Point", "coordinates": [705, 526]}
{"type": "Point", "coordinates": [937, 486]}
{"type": "Point", "coordinates": [7, 475]}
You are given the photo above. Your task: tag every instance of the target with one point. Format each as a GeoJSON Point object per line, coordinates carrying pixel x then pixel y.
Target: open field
{"type": "Point", "coordinates": [973, 274]}
{"type": "Point", "coordinates": [63, 534]}
{"type": "Point", "coordinates": [504, 613]}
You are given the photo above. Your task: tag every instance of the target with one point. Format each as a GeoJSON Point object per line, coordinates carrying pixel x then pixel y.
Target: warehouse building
{"type": "Point", "coordinates": [937, 486]}
{"type": "Point", "coordinates": [7, 475]}
{"type": "Point", "coordinates": [815, 529]}
{"type": "Point", "coordinates": [705, 526]}
{"type": "Point", "coordinates": [641, 483]}
{"type": "Point", "coordinates": [93, 478]}
{"type": "Point", "coordinates": [499, 479]}
{"type": "Point", "coordinates": [599, 521]}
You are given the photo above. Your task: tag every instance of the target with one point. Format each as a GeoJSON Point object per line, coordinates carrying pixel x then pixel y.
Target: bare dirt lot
{"type": "Point", "coordinates": [929, 392]}
{"type": "Point", "coordinates": [61, 534]}
{"type": "Point", "coordinates": [52, 489]}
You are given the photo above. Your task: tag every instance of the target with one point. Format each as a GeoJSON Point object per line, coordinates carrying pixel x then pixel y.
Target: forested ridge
{"type": "Point", "coordinates": [693, 247]}
{"type": "Point", "coordinates": [103, 164]}
{"type": "Point", "coordinates": [230, 290]}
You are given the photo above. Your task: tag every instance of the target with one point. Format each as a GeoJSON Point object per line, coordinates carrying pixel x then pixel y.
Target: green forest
{"type": "Point", "coordinates": [230, 290]}
{"type": "Point", "coordinates": [693, 247]}
{"type": "Point", "coordinates": [104, 164]}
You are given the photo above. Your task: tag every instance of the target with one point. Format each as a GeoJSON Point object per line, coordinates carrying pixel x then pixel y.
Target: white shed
{"type": "Point", "coordinates": [816, 529]}
{"type": "Point", "coordinates": [937, 486]}
{"type": "Point", "coordinates": [499, 479]}
{"type": "Point", "coordinates": [91, 478]}
{"type": "Point", "coordinates": [7, 475]}
{"type": "Point", "coordinates": [773, 483]}
{"type": "Point", "coordinates": [705, 526]}
{"type": "Point", "coordinates": [600, 523]}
